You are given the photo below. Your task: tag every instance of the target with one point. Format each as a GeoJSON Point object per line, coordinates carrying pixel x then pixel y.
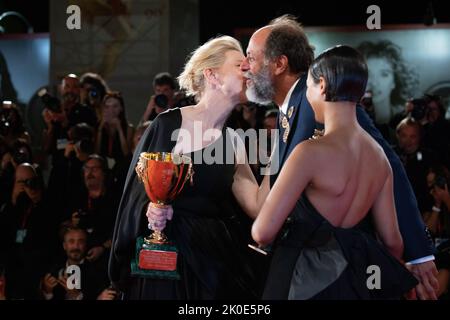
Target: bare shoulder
{"type": "Point", "coordinates": [313, 150]}
{"type": "Point", "coordinates": [375, 152]}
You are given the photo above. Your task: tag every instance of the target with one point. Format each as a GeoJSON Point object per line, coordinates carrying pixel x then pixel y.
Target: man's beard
{"type": "Point", "coordinates": [261, 89]}
{"type": "Point", "coordinates": [93, 183]}
{"type": "Point", "coordinates": [76, 255]}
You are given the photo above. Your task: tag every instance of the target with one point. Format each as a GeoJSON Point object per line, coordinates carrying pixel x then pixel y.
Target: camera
{"type": "Point", "coordinates": [419, 110]}
{"type": "Point", "coordinates": [85, 146]}
{"type": "Point", "coordinates": [50, 102]}
{"type": "Point", "coordinates": [440, 182]}
{"type": "Point", "coordinates": [32, 183]}
{"type": "Point", "coordinates": [21, 156]}
{"type": "Point", "coordinates": [93, 93]}
{"type": "Point", "coordinates": [162, 101]}
{"type": "Point", "coordinates": [5, 124]}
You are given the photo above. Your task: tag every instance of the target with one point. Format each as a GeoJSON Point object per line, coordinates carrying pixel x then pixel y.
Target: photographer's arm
{"type": "Point", "coordinates": [148, 111]}
{"type": "Point", "coordinates": [98, 141]}
{"type": "Point", "coordinates": [123, 140]}
{"type": "Point", "coordinates": [48, 134]}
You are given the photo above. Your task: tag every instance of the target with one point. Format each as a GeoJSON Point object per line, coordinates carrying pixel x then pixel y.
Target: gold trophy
{"type": "Point", "coordinates": [164, 175]}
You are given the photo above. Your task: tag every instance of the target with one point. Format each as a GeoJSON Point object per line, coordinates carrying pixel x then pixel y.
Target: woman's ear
{"type": "Point", "coordinates": [211, 77]}
{"type": "Point", "coordinates": [323, 86]}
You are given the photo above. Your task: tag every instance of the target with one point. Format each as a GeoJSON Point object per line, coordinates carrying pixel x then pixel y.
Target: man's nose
{"type": "Point", "coordinates": [245, 65]}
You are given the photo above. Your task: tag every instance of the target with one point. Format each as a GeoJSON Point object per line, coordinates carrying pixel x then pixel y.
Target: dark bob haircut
{"type": "Point", "coordinates": [345, 72]}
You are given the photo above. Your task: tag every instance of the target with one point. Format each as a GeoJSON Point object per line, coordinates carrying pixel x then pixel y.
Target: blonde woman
{"type": "Point", "coordinates": [212, 258]}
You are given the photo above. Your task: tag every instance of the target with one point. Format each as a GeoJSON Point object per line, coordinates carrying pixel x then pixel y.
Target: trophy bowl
{"type": "Point", "coordinates": [164, 175]}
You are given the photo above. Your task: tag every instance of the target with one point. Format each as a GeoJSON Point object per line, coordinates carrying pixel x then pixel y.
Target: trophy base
{"type": "Point", "coordinates": [155, 260]}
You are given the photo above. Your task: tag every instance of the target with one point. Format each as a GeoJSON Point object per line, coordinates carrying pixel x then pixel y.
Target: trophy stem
{"type": "Point", "coordinates": [156, 237]}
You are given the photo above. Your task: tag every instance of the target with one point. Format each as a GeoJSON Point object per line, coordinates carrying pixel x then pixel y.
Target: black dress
{"type": "Point", "coordinates": [212, 258]}
{"type": "Point", "coordinates": [315, 260]}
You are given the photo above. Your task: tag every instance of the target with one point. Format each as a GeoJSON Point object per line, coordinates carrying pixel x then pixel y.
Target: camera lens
{"type": "Point", "coordinates": [21, 156]}
{"type": "Point", "coordinates": [32, 183]}
{"type": "Point", "coordinates": [93, 93]}
{"type": "Point", "coordinates": [161, 101]}
{"type": "Point", "coordinates": [86, 146]}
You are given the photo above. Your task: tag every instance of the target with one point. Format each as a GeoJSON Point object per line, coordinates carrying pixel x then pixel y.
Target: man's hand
{"type": "Point", "coordinates": [150, 107]}
{"type": "Point", "coordinates": [115, 123]}
{"type": "Point", "coordinates": [426, 273]}
{"type": "Point", "coordinates": [49, 283]}
{"type": "Point", "coordinates": [440, 194]}
{"type": "Point", "coordinates": [151, 104]}
{"type": "Point", "coordinates": [17, 190]}
{"type": "Point", "coordinates": [157, 216]}
{"type": "Point", "coordinates": [72, 294]}
{"type": "Point", "coordinates": [48, 118]}
{"type": "Point", "coordinates": [95, 253]}
{"type": "Point", "coordinates": [107, 294]}
{"type": "Point", "coordinates": [70, 147]}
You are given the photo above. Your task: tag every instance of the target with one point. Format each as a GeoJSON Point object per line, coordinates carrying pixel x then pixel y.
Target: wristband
{"type": "Point", "coordinates": [436, 209]}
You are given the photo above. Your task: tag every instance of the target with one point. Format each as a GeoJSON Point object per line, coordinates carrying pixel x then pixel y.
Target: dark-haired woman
{"type": "Point", "coordinates": [115, 135]}
{"type": "Point", "coordinates": [344, 174]}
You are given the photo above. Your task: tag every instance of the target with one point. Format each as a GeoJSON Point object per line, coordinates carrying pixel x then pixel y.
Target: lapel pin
{"type": "Point", "coordinates": [286, 133]}
{"type": "Point", "coordinates": [284, 122]}
{"type": "Point", "coordinates": [290, 112]}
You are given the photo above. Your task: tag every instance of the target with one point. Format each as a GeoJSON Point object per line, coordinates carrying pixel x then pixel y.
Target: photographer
{"type": "Point", "coordinates": [95, 208]}
{"type": "Point", "coordinates": [414, 157]}
{"type": "Point", "coordinates": [11, 124]}
{"type": "Point", "coordinates": [93, 90]}
{"type": "Point", "coordinates": [69, 181]}
{"type": "Point", "coordinates": [81, 143]}
{"type": "Point", "coordinates": [165, 97]}
{"type": "Point", "coordinates": [16, 154]}
{"type": "Point", "coordinates": [27, 233]}
{"type": "Point", "coordinates": [437, 216]}
{"type": "Point", "coordinates": [429, 111]}
{"type": "Point", "coordinates": [437, 219]}
{"type": "Point", "coordinates": [93, 279]}
{"type": "Point", "coordinates": [59, 117]}
{"type": "Point", "coordinates": [437, 129]}
{"type": "Point", "coordinates": [115, 135]}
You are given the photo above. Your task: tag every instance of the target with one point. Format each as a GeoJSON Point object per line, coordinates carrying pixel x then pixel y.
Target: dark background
{"type": "Point", "coordinates": [225, 16]}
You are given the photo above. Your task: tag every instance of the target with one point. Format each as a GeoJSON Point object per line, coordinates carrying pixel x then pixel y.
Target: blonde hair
{"type": "Point", "coordinates": [208, 56]}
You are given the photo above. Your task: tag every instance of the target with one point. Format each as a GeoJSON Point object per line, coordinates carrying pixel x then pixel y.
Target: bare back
{"type": "Point", "coordinates": [351, 172]}
{"type": "Point", "coordinates": [344, 174]}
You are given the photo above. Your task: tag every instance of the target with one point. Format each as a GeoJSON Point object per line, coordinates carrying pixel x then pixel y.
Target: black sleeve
{"type": "Point", "coordinates": [129, 221]}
